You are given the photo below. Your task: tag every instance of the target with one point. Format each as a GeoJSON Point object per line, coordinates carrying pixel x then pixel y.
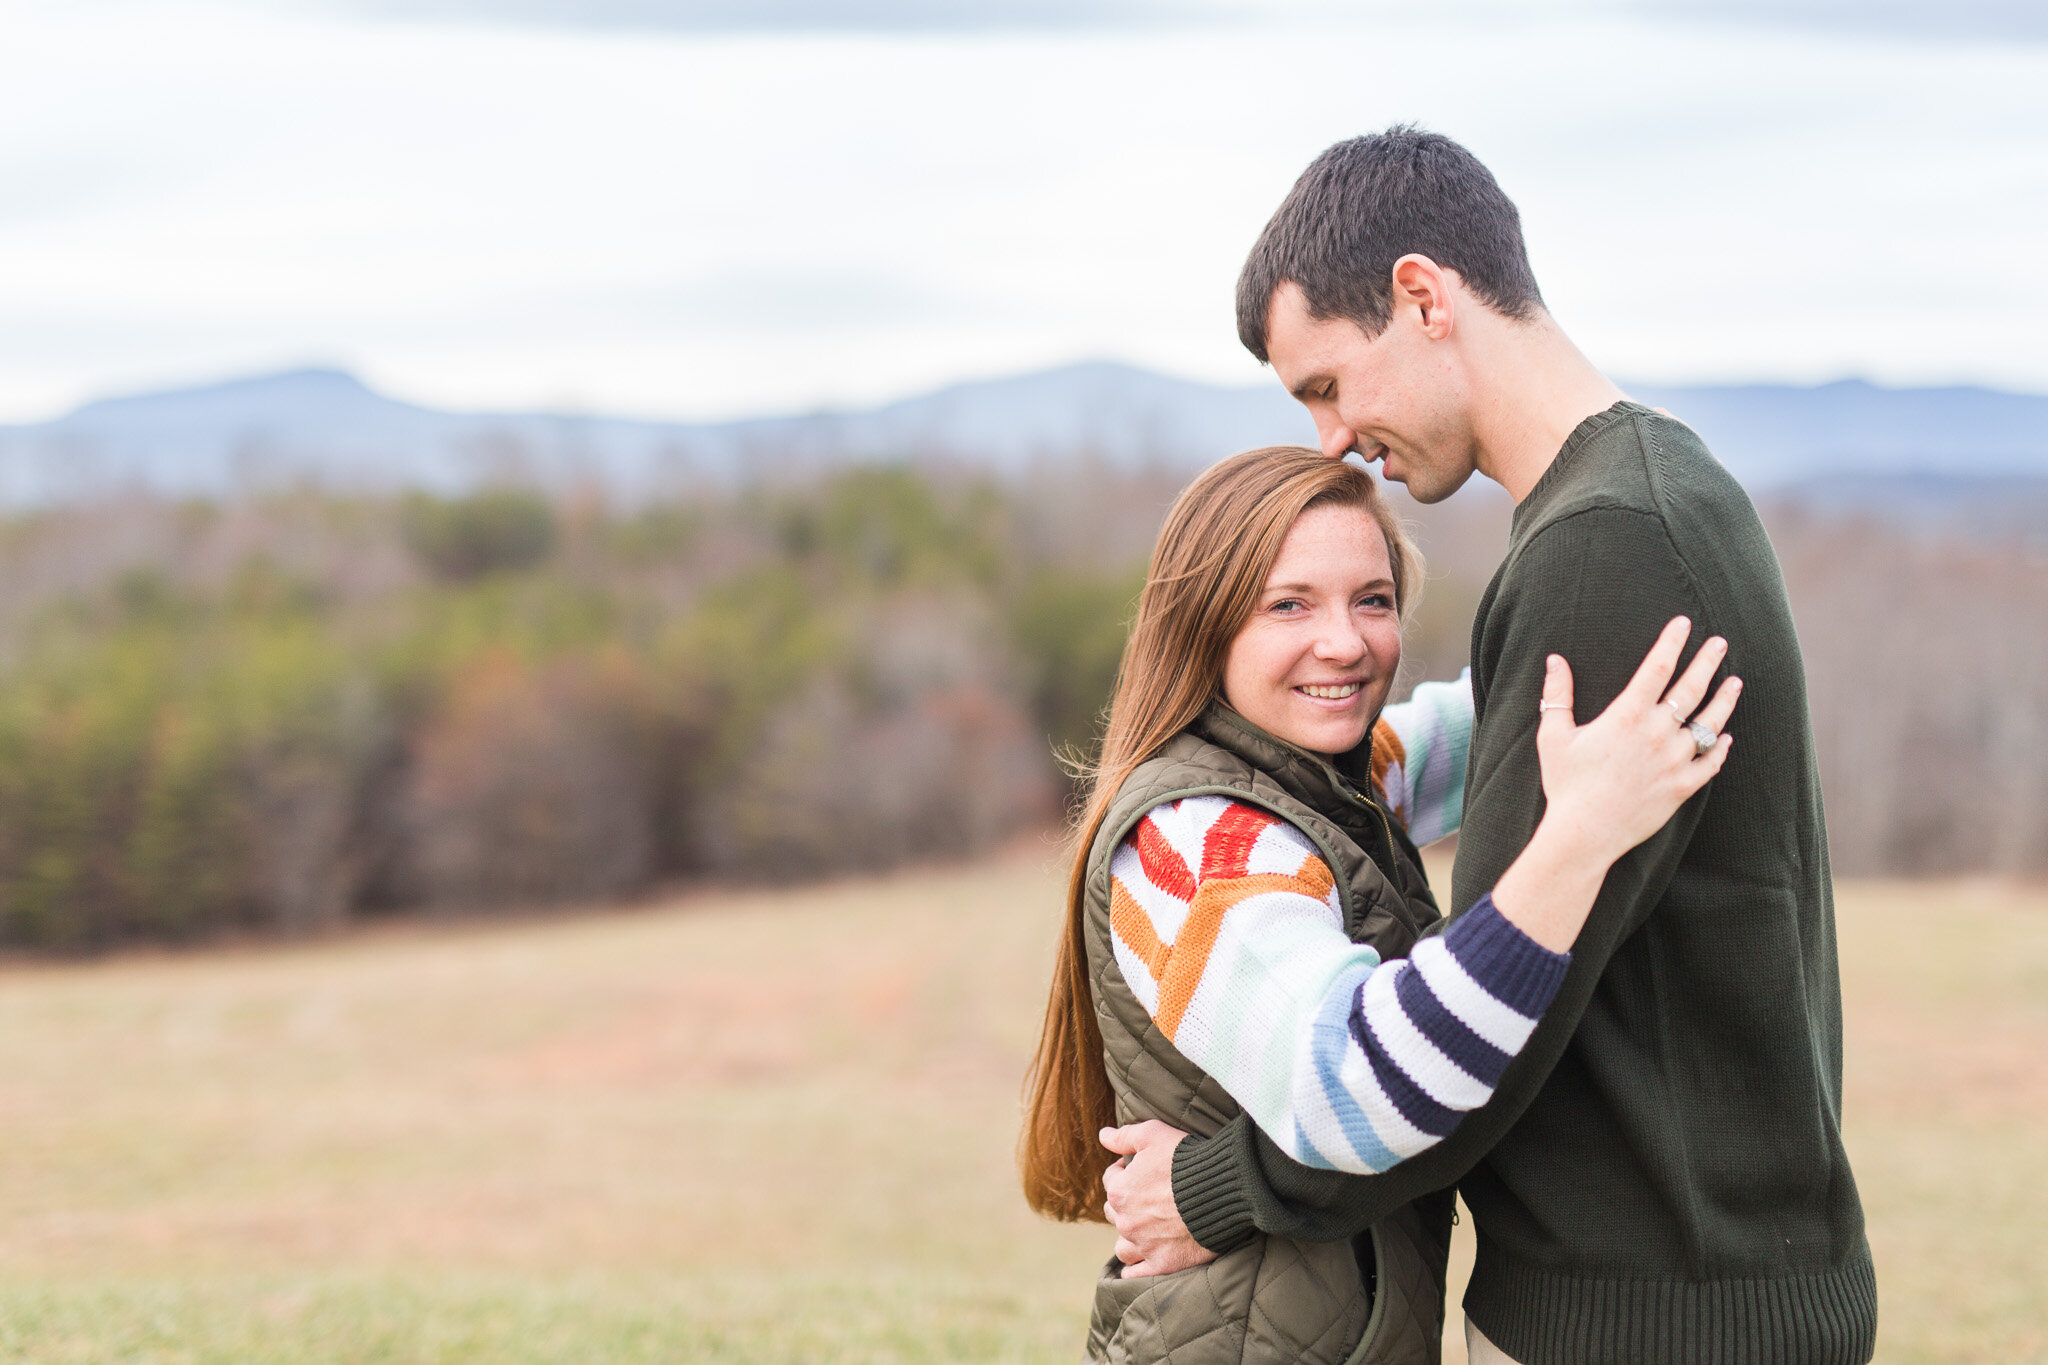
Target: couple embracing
{"type": "Point", "coordinates": [1622, 1045]}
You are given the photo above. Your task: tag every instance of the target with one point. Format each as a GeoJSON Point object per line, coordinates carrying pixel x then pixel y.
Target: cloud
{"type": "Point", "coordinates": [1960, 19]}
{"type": "Point", "coordinates": [496, 215]}
{"type": "Point", "coordinates": [812, 15]}
{"type": "Point", "coordinates": [2025, 19]}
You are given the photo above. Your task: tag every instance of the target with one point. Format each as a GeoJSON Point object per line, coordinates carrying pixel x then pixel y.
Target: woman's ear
{"type": "Point", "coordinates": [1422, 291]}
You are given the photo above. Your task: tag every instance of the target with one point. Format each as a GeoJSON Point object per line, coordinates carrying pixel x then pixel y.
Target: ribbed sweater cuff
{"type": "Point", "coordinates": [1509, 965]}
{"type": "Point", "coordinates": [1209, 1190]}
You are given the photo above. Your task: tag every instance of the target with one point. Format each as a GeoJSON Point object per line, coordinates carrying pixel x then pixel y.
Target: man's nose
{"type": "Point", "coordinates": [1337, 438]}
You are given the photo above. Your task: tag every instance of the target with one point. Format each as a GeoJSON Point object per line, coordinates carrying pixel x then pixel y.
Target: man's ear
{"type": "Point", "coordinates": [1423, 289]}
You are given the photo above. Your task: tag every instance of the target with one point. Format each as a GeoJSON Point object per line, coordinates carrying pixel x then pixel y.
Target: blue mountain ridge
{"type": "Point", "coordinates": [327, 428]}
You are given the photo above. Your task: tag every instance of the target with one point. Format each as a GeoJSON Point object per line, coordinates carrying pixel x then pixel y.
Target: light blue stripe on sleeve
{"type": "Point", "coordinates": [1332, 1039]}
{"type": "Point", "coordinates": [1305, 1151]}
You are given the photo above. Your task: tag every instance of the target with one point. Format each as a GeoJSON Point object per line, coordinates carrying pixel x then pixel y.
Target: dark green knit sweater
{"type": "Point", "coordinates": [1660, 1175]}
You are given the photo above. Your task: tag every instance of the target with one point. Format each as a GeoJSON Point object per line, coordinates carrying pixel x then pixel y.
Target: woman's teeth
{"type": "Point", "coordinates": [1336, 693]}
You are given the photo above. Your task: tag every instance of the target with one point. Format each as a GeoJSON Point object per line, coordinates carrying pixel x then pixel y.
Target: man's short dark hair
{"type": "Point", "coordinates": [1363, 205]}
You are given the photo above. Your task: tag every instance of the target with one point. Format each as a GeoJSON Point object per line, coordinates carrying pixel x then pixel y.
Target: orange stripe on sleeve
{"type": "Point", "coordinates": [1184, 962]}
{"type": "Point", "coordinates": [1315, 877]}
{"type": "Point", "coordinates": [1387, 749]}
{"type": "Point", "coordinates": [1131, 924]}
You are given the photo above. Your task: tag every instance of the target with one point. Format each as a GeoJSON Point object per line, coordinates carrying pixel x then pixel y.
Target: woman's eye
{"type": "Point", "coordinates": [1288, 606]}
{"type": "Point", "coordinates": [1378, 601]}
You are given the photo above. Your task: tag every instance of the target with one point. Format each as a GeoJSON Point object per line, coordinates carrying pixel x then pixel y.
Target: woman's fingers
{"type": "Point", "coordinates": [1659, 664]}
{"type": "Point", "coordinates": [1554, 712]}
{"type": "Point", "coordinates": [1685, 694]}
{"type": "Point", "coordinates": [1714, 715]}
{"type": "Point", "coordinates": [1701, 770]}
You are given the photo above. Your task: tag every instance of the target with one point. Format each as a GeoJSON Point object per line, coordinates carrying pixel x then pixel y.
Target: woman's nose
{"type": "Point", "coordinates": [1340, 642]}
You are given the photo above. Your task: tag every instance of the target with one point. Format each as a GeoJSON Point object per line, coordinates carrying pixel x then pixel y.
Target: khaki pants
{"type": "Point", "coordinates": [1480, 1351]}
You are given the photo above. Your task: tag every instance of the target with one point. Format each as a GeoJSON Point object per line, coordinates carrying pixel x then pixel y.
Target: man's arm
{"type": "Point", "coordinates": [1597, 588]}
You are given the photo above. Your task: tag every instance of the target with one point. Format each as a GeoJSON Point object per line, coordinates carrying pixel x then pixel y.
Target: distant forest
{"type": "Point", "coordinates": [289, 711]}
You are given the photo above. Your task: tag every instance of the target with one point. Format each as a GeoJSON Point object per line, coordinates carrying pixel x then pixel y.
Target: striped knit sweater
{"type": "Point", "coordinates": [1227, 926]}
{"type": "Point", "coordinates": [1418, 757]}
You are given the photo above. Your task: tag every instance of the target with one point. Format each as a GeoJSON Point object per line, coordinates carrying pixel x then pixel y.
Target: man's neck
{"type": "Point", "coordinates": [1533, 389]}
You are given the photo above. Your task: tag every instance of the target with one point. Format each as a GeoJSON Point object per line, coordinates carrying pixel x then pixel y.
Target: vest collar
{"type": "Point", "coordinates": [1341, 787]}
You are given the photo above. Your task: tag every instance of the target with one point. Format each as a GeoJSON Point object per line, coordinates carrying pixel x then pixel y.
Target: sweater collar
{"type": "Point", "coordinates": [1545, 488]}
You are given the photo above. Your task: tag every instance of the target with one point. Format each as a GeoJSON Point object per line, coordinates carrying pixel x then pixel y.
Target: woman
{"type": "Point", "coordinates": [1241, 908]}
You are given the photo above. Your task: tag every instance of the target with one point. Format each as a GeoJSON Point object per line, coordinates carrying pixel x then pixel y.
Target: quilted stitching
{"type": "Point", "coordinates": [1411, 1282]}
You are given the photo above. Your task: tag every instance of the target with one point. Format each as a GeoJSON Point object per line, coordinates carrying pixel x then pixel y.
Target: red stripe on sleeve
{"type": "Point", "coordinates": [1164, 867]}
{"type": "Point", "coordinates": [1228, 849]}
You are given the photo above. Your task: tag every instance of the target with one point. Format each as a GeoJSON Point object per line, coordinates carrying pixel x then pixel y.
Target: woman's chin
{"type": "Point", "coordinates": [1325, 735]}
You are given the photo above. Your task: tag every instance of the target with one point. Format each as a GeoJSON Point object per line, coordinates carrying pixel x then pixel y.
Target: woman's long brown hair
{"type": "Point", "coordinates": [1212, 560]}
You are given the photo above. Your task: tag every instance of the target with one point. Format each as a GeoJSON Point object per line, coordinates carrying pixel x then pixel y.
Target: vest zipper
{"type": "Point", "coordinates": [1386, 829]}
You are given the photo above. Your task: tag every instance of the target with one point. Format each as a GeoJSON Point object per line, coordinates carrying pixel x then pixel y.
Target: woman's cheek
{"type": "Point", "coordinates": [1385, 640]}
{"type": "Point", "coordinates": [1248, 670]}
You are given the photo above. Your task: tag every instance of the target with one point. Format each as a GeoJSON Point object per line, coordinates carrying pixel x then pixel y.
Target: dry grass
{"type": "Point", "coordinates": [771, 1127]}
{"type": "Point", "coordinates": [1946, 1103]}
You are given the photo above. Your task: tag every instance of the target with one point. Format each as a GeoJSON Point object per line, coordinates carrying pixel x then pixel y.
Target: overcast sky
{"type": "Point", "coordinates": [648, 206]}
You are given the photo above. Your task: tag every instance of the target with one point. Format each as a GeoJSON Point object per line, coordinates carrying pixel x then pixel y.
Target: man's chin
{"type": "Point", "coordinates": [1429, 489]}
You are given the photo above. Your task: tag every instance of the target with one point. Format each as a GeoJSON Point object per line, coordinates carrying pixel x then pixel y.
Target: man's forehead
{"type": "Point", "coordinates": [1306, 342]}
{"type": "Point", "coordinates": [1287, 310]}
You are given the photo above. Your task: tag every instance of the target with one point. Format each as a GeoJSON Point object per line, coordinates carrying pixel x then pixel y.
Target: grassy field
{"type": "Point", "coordinates": [772, 1127]}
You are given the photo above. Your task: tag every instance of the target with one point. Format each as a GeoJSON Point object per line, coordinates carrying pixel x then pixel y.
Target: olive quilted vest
{"type": "Point", "coordinates": [1375, 1300]}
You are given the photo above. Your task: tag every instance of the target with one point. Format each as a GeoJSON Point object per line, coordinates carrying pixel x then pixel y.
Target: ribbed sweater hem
{"type": "Point", "coordinates": [1539, 1317]}
{"type": "Point", "coordinates": [1210, 1195]}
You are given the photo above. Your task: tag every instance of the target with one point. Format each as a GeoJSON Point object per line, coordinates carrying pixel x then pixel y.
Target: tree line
{"type": "Point", "coordinates": [286, 712]}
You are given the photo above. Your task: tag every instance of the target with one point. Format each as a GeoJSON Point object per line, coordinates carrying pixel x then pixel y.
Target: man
{"type": "Point", "coordinates": [1660, 1175]}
